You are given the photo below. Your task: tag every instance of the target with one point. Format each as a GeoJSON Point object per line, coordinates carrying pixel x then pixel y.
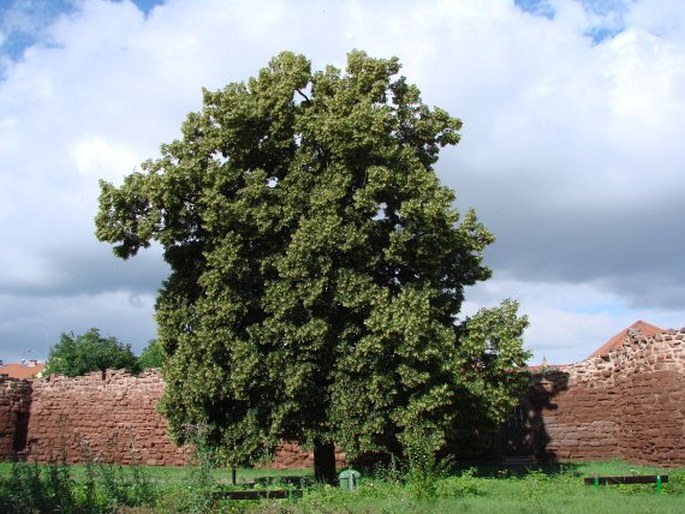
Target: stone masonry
{"type": "Point", "coordinates": [15, 402]}
{"type": "Point", "coordinates": [627, 403]}
{"type": "Point", "coordinates": [110, 417]}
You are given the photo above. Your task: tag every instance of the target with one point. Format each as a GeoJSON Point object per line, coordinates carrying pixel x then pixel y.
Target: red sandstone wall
{"type": "Point", "coordinates": [111, 418]}
{"type": "Point", "coordinates": [15, 400]}
{"type": "Point", "coordinates": [629, 404]}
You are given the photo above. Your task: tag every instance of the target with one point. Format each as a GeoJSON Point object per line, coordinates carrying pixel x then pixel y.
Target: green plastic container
{"type": "Point", "coordinates": [349, 479]}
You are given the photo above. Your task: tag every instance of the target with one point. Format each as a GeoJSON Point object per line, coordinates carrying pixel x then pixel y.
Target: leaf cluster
{"type": "Point", "coordinates": [152, 356]}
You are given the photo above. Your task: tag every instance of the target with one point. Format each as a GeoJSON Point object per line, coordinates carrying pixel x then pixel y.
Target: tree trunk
{"type": "Point", "coordinates": [324, 462]}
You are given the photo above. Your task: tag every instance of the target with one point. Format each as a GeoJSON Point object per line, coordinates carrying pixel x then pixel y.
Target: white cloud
{"type": "Point", "coordinates": [570, 150]}
{"type": "Point", "coordinates": [568, 321]}
{"type": "Point", "coordinates": [97, 157]}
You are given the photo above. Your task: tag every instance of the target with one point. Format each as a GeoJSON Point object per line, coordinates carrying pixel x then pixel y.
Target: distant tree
{"type": "Point", "coordinates": [77, 355]}
{"type": "Point", "coordinates": [152, 356]}
{"type": "Point", "coordinates": [318, 269]}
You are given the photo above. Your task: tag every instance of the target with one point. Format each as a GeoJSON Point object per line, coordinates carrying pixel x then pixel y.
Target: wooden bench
{"type": "Point", "coordinates": [298, 483]}
{"type": "Point", "coordinates": [630, 479]}
{"type": "Point", "coordinates": [292, 480]}
{"type": "Point", "coordinates": [518, 461]}
{"type": "Point", "coordinates": [258, 494]}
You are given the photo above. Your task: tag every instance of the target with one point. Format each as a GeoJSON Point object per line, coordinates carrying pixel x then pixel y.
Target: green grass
{"type": "Point", "coordinates": [555, 489]}
{"type": "Point", "coordinates": [174, 474]}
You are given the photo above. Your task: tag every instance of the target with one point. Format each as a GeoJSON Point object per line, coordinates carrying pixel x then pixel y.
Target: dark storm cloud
{"type": "Point", "coordinates": [91, 269]}
{"type": "Point", "coordinates": [633, 248]}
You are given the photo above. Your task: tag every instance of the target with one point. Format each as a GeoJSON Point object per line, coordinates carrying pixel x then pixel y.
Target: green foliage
{"type": "Point", "coordinates": [318, 267]}
{"type": "Point", "coordinates": [535, 485]}
{"type": "Point", "coordinates": [198, 499]}
{"type": "Point", "coordinates": [23, 490]}
{"type": "Point", "coordinates": [58, 488]}
{"type": "Point", "coordinates": [77, 355]}
{"type": "Point", "coordinates": [52, 488]}
{"type": "Point", "coordinates": [676, 484]}
{"type": "Point", "coordinates": [424, 469]}
{"type": "Point", "coordinates": [466, 484]}
{"type": "Point", "coordinates": [195, 494]}
{"type": "Point", "coordinates": [152, 356]}
{"type": "Point", "coordinates": [113, 487]}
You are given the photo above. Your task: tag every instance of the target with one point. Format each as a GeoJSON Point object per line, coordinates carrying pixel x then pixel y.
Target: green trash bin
{"type": "Point", "coordinates": [349, 479]}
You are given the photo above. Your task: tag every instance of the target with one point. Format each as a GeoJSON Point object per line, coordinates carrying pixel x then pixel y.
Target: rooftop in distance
{"type": "Point", "coordinates": [25, 369]}
{"type": "Point", "coordinates": [617, 341]}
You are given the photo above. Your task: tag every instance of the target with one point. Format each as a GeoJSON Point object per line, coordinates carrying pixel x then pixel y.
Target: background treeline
{"type": "Point", "coordinates": [76, 355]}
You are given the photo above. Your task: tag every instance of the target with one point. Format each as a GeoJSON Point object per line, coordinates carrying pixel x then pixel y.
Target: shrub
{"type": "Point", "coordinates": [466, 484]}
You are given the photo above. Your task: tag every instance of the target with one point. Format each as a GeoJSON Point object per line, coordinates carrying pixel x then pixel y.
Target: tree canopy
{"type": "Point", "coordinates": [77, 355]}
{"type": "Point", "coordinates": [152, 356]}
{"type": "Point", "coordinates": [318, 267]}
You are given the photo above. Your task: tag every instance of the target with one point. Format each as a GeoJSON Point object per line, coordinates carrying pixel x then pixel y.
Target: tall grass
{"type": "Point", "coordinates": [52, 488]}
{"type": "Point", "coordinates": [97, 488]}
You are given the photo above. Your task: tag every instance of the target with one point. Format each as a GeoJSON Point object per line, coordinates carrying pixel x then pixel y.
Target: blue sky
{"type": "Point", "coordinates": [25, 22]}
{"type": "Point", "coordinates": [571, 151]}
{"type": "Point", "coordinates": [608, 15]}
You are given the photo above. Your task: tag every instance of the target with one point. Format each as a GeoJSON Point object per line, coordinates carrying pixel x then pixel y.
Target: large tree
{"type": "Point", "coordinates": [317, 268]}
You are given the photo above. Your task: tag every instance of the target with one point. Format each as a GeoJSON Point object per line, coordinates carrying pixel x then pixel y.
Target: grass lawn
{"type": "Point", "coordinates": [177, 474]}
{"type": "Point", "coordinates": [555, 489]}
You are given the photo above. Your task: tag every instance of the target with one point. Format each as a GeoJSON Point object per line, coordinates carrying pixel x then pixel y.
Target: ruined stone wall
{"type": "Point", "coordinates": [627, 404]}
{"type": "Point", "coordinates": [15, 401]}
{"type": "Point", "coordinates": [107, 416]}
{"type": "Point", "coordinates": [111, 417]}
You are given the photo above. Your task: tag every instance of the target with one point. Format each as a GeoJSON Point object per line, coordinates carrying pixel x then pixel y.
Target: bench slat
{"type": "Point", "coordinates": [631, 479]}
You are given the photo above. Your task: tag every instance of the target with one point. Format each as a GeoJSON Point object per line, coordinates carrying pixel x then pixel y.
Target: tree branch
{"type": "Point", "coordinates": [306, 98]}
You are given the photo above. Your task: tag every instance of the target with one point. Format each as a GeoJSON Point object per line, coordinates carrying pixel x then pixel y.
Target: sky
{"type": "Point", "coordinates": [571, 151]}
